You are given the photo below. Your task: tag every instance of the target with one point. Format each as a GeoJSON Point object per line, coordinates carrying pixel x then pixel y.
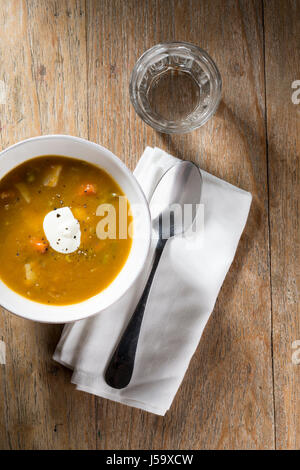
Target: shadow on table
{"type": "Point", "coordinates": [214, 376]}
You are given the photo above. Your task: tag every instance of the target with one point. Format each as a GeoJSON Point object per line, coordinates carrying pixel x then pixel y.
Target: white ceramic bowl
{"type": "Point", "coordinates": [84, 150]}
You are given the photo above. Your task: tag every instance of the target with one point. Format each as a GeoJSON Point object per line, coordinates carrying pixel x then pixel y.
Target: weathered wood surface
{"type": "Point", "coordinates": [282, 33]}
{"type": "Point", "coordinates": [66, 67]}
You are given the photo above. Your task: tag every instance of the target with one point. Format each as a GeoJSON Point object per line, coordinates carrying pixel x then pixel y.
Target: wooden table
{"type": "Point", "coordinates": [65, 66]}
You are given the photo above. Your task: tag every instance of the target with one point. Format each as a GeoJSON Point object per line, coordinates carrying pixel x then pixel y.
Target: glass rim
{"type": "Point", "coordinates": [140, 69]}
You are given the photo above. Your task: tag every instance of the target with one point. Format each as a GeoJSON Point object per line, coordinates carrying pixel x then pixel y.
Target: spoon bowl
{"type": "Point", "coordinates": [177, 192]}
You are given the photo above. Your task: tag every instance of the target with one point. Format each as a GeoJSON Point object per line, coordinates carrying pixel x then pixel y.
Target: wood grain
{"type": "Point", "coordinates": [226, 400]}
{"type": "Point", "coordinates": [43, 64]}
{"type": "Point", "coordinates": [282, 33]}
{"type": "Point", "coordinates": [66, 66]}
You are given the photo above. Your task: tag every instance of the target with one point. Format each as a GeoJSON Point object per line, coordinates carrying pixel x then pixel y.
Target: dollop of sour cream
{"type": "Point", "coordinates": [62, 230]}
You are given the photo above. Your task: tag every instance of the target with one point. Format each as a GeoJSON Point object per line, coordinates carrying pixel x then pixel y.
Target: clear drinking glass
{"type": "Point", "coordinates": [175, 87]}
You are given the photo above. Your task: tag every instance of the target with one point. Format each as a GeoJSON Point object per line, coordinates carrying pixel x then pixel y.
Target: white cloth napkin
{"type": "Point", "coordinates": [184, 291]}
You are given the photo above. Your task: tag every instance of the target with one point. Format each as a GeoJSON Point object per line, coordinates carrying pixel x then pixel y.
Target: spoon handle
{"type": "Point", "coordinates": [119, 371]}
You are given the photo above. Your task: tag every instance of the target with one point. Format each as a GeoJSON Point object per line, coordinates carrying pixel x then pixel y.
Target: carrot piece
{"type": "Point", "coordinates": [39, 245]}
{"type": "Point", "coordinates": [87, 189]}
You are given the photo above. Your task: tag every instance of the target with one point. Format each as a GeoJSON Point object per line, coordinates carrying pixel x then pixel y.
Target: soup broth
{"type": "Point", "coordinates": [28, 263]}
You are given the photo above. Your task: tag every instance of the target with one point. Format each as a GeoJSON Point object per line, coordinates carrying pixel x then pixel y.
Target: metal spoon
{"type": "Point", "coordinates": [179, 186]}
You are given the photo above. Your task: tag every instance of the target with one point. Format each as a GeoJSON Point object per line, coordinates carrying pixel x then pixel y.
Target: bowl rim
{"type": "Point", "coordinates": [7, 306]}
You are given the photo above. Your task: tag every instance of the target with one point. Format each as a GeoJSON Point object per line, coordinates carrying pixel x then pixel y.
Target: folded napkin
{"type": "Point", "coordinates": [183, 294]}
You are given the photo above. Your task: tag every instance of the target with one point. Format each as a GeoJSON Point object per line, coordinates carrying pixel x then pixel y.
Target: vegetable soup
{"type": "Point", "coordinates": [50, 249]}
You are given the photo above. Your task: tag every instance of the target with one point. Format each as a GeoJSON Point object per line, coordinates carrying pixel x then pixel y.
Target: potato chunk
{"type": "Point", "coordinates": [24, 191]}
{"type": "Point", "coordinates": [29, 273]}
{"type": "Point", "coordinates": [52, 177]}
